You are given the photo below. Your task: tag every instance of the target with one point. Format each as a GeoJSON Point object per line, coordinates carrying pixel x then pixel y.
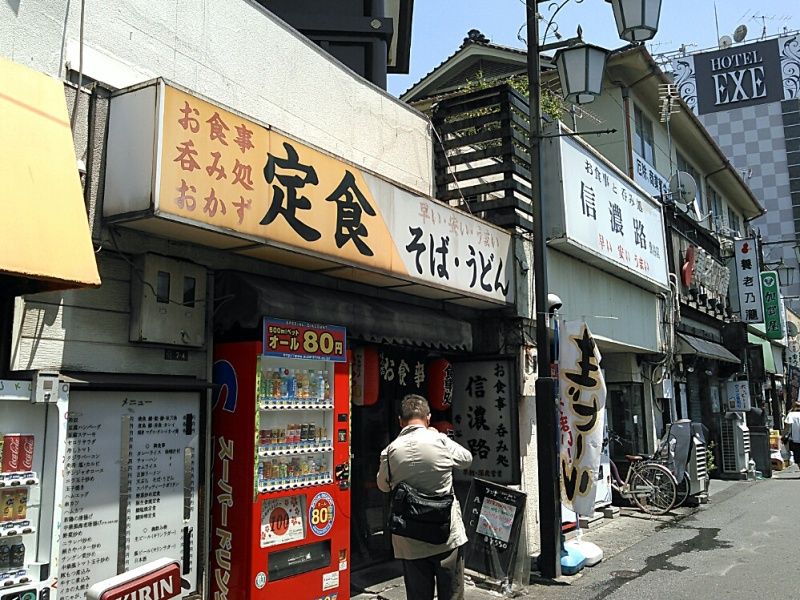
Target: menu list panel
{"type": "Point", "coordinates": [131, 485]}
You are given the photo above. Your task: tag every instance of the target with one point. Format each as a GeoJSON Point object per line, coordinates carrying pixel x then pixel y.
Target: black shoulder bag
{"type": "Point", "coordinates": [417, 515]}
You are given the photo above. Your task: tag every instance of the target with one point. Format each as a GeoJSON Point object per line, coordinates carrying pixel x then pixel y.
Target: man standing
{"type": "Point", "coordinates": [424, 458]}
{"type": "Point", "coordinates": [792, 431]}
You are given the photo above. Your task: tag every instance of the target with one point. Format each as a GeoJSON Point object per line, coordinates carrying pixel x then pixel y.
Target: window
{"type": "Point", "coordinates": [683, 165]}
{"type": "Point", "coordinates": [643, 137]}
{"type": "Point", "coordinates": [733, 221]}
{"type": "Point", "coordinates": [162, 287]}
{"type": "Point", "coordinates": [189, 285]}
{"type": "Point", "coordinates": [715, 205]}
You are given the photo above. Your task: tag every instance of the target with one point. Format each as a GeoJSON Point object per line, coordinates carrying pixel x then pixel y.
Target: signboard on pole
{"type": "Point", "coordinates": [582, 401]}
{"type": "Point", "coordinates": [738, 395]}
{"type": "Point", "coordinates": [771, 295]}
{"type": "Point", "coordinates": [749, 282]}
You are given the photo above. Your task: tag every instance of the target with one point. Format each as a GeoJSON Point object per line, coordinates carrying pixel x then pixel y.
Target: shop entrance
{"type": "Point", "coordinates": [372, 430]}
{"type": "Point", "coordinates": [386, 375]}
{"type": "Point", "coordinates": [627, 417]}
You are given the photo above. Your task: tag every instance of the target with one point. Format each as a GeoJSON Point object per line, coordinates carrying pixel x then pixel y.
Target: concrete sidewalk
{"type": "Point", "coordinates": [385, 582]}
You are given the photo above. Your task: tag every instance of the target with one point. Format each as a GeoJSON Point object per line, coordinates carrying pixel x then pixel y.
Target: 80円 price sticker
{"type": "Point", "coordinates": [321, 513]}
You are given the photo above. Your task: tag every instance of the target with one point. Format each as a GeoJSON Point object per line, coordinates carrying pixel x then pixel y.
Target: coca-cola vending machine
{"type": "Point", "coordinates": [33, 431]}
{"type": "Point", "coordinates": [281, 476]}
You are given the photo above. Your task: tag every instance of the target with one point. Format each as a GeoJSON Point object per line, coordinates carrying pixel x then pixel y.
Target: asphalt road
{"type": "Point", "coordinates": [743, 544]}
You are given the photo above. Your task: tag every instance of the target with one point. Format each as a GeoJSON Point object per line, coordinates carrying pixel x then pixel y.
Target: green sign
{"type": "Point", "coordinates": [773, 320]}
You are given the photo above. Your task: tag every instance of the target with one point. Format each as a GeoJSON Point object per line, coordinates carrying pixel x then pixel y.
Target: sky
{"type": "Point", "coordinates": [439, 26]}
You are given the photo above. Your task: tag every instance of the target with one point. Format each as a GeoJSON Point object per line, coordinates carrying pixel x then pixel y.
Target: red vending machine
{"type": "Point", "coordinates": [281, 475]}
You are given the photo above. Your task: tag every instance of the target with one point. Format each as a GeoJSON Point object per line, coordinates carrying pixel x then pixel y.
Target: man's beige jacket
{"type": "Point", "coordinates": [425, 459]}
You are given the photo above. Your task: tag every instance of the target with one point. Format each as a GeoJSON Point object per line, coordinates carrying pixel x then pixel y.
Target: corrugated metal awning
{"type": "Point", "coordinates": [245, 299]}
{"type": "Point", "coordinates": [693, 345]}
{"type": "Point", "coordinates": [44, 236]}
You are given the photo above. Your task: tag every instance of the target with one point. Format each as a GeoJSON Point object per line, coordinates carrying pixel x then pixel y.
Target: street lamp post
{"type": "Point", "coordinates": [546, 406]}
{"type": "Point", "coordinates": [581, 68]}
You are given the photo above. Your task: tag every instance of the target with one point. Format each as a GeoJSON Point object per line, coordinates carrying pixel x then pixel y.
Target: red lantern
{"type": "Point", "coordinates": [445, 427]}
{"type": "Point", "coordinates": [440, 384]}
{"type": "Point", "coordinates": [365, 376]}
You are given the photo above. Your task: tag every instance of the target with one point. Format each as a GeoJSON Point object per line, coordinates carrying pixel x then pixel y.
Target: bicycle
{"type": "Point", "coordinates": [665, 455]}
{"type": "Point", "coordinates": [651, 486]}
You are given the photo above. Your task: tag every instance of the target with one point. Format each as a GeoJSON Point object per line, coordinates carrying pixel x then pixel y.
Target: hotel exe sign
{"type": "Point", "coordinates": [738, 76]}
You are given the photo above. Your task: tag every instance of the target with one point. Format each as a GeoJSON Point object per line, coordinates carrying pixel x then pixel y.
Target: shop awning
{"type": "Point", "coordinates": [688, 344]}
{"type": "Point", "coordinates": [244, 299]}
{"type": "Point", "coordinates": [45, 242]}
{"type": "Point", "coordinates": [766, 351]}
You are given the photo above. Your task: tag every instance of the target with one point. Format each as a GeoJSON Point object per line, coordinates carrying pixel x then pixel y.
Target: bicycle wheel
{"type": "Point", "coordinates": [682, 491]}
{"type": "Point", "coordinates": [653, 488]}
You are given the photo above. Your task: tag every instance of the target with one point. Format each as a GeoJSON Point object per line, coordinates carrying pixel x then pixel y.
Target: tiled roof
{"type": "Point", "coordinates": [474, 37]}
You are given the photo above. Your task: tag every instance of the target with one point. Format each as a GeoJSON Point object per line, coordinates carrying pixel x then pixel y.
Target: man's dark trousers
{"type": "Point", "coordinates": [795, 447]}
{"type": "Point", "coordinates": [446, 570]}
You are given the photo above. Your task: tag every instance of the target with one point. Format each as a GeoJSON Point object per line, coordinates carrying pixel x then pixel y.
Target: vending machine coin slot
{"type": "Point", "coordinates": [342, 475]}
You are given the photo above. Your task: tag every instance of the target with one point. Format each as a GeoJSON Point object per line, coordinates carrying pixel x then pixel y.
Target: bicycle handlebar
{"type": "Point", "coordinates": [617, 438]}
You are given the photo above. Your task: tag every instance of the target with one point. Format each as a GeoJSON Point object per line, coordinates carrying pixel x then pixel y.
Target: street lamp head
{"type": "Point", "coordinates": [637, 20]}
{"type": "Point", "coordinates": [580, 70]}
{"type": "Point", "coordinates": [785, 273]}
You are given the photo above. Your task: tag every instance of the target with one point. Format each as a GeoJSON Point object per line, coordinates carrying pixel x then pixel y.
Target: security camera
{"type": "Point", "coordinates": [553, 303]}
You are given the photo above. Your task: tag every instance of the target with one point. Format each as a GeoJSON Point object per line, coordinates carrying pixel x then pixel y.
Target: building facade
{"type": "Point", "coordinates": [229, 177]}
{"type": "Point", "coordinates": [757, 126]}
{"type": "Point", "coordinates": [664, 354]}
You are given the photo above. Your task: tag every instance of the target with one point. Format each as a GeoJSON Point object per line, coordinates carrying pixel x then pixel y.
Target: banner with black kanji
{"type": "Point", "coordinates": [582, 402]}
{"type": "Point", "coordinates": [483, 419]}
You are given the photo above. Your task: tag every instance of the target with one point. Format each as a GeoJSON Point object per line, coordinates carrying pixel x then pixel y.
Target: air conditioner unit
{"type": "Point", "coordinates": [698, 467]}
{"type": "Point", "coordinates": [735, 445]}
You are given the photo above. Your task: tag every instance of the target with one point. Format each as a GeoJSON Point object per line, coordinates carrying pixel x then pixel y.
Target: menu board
{"type": "Point", "coordinates": [130, 486]}
{"type": "Point", "coordinates": [90, 511]}
{"type": "Point", "coordinates": [492, 518]}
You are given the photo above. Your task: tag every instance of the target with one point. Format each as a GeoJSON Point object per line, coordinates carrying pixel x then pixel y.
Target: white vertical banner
{"type": "Point", "coordinates": [749, 281]}
{"type": "Point", "coordinates": [582, 402]}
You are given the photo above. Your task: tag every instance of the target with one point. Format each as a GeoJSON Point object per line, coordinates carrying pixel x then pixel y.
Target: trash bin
{"type": "Point", "coordinates": [759, 449]}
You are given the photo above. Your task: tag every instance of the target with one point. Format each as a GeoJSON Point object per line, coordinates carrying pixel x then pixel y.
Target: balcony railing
{"type": "Point", "coordinates": [482, 159]}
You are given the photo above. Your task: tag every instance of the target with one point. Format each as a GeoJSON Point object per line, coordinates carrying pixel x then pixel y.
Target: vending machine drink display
{"type": "Point", "coordinates": [281, 497]}
{"type": "Point", "coordinates": [33, 429]}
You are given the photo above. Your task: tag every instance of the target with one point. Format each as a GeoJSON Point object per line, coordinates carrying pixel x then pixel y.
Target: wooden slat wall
{"type": "Point", "coordinates": [87, 330]}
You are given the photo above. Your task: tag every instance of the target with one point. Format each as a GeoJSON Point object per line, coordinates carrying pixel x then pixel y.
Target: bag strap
{"type": "Point", "coordinates": [389, 467]}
